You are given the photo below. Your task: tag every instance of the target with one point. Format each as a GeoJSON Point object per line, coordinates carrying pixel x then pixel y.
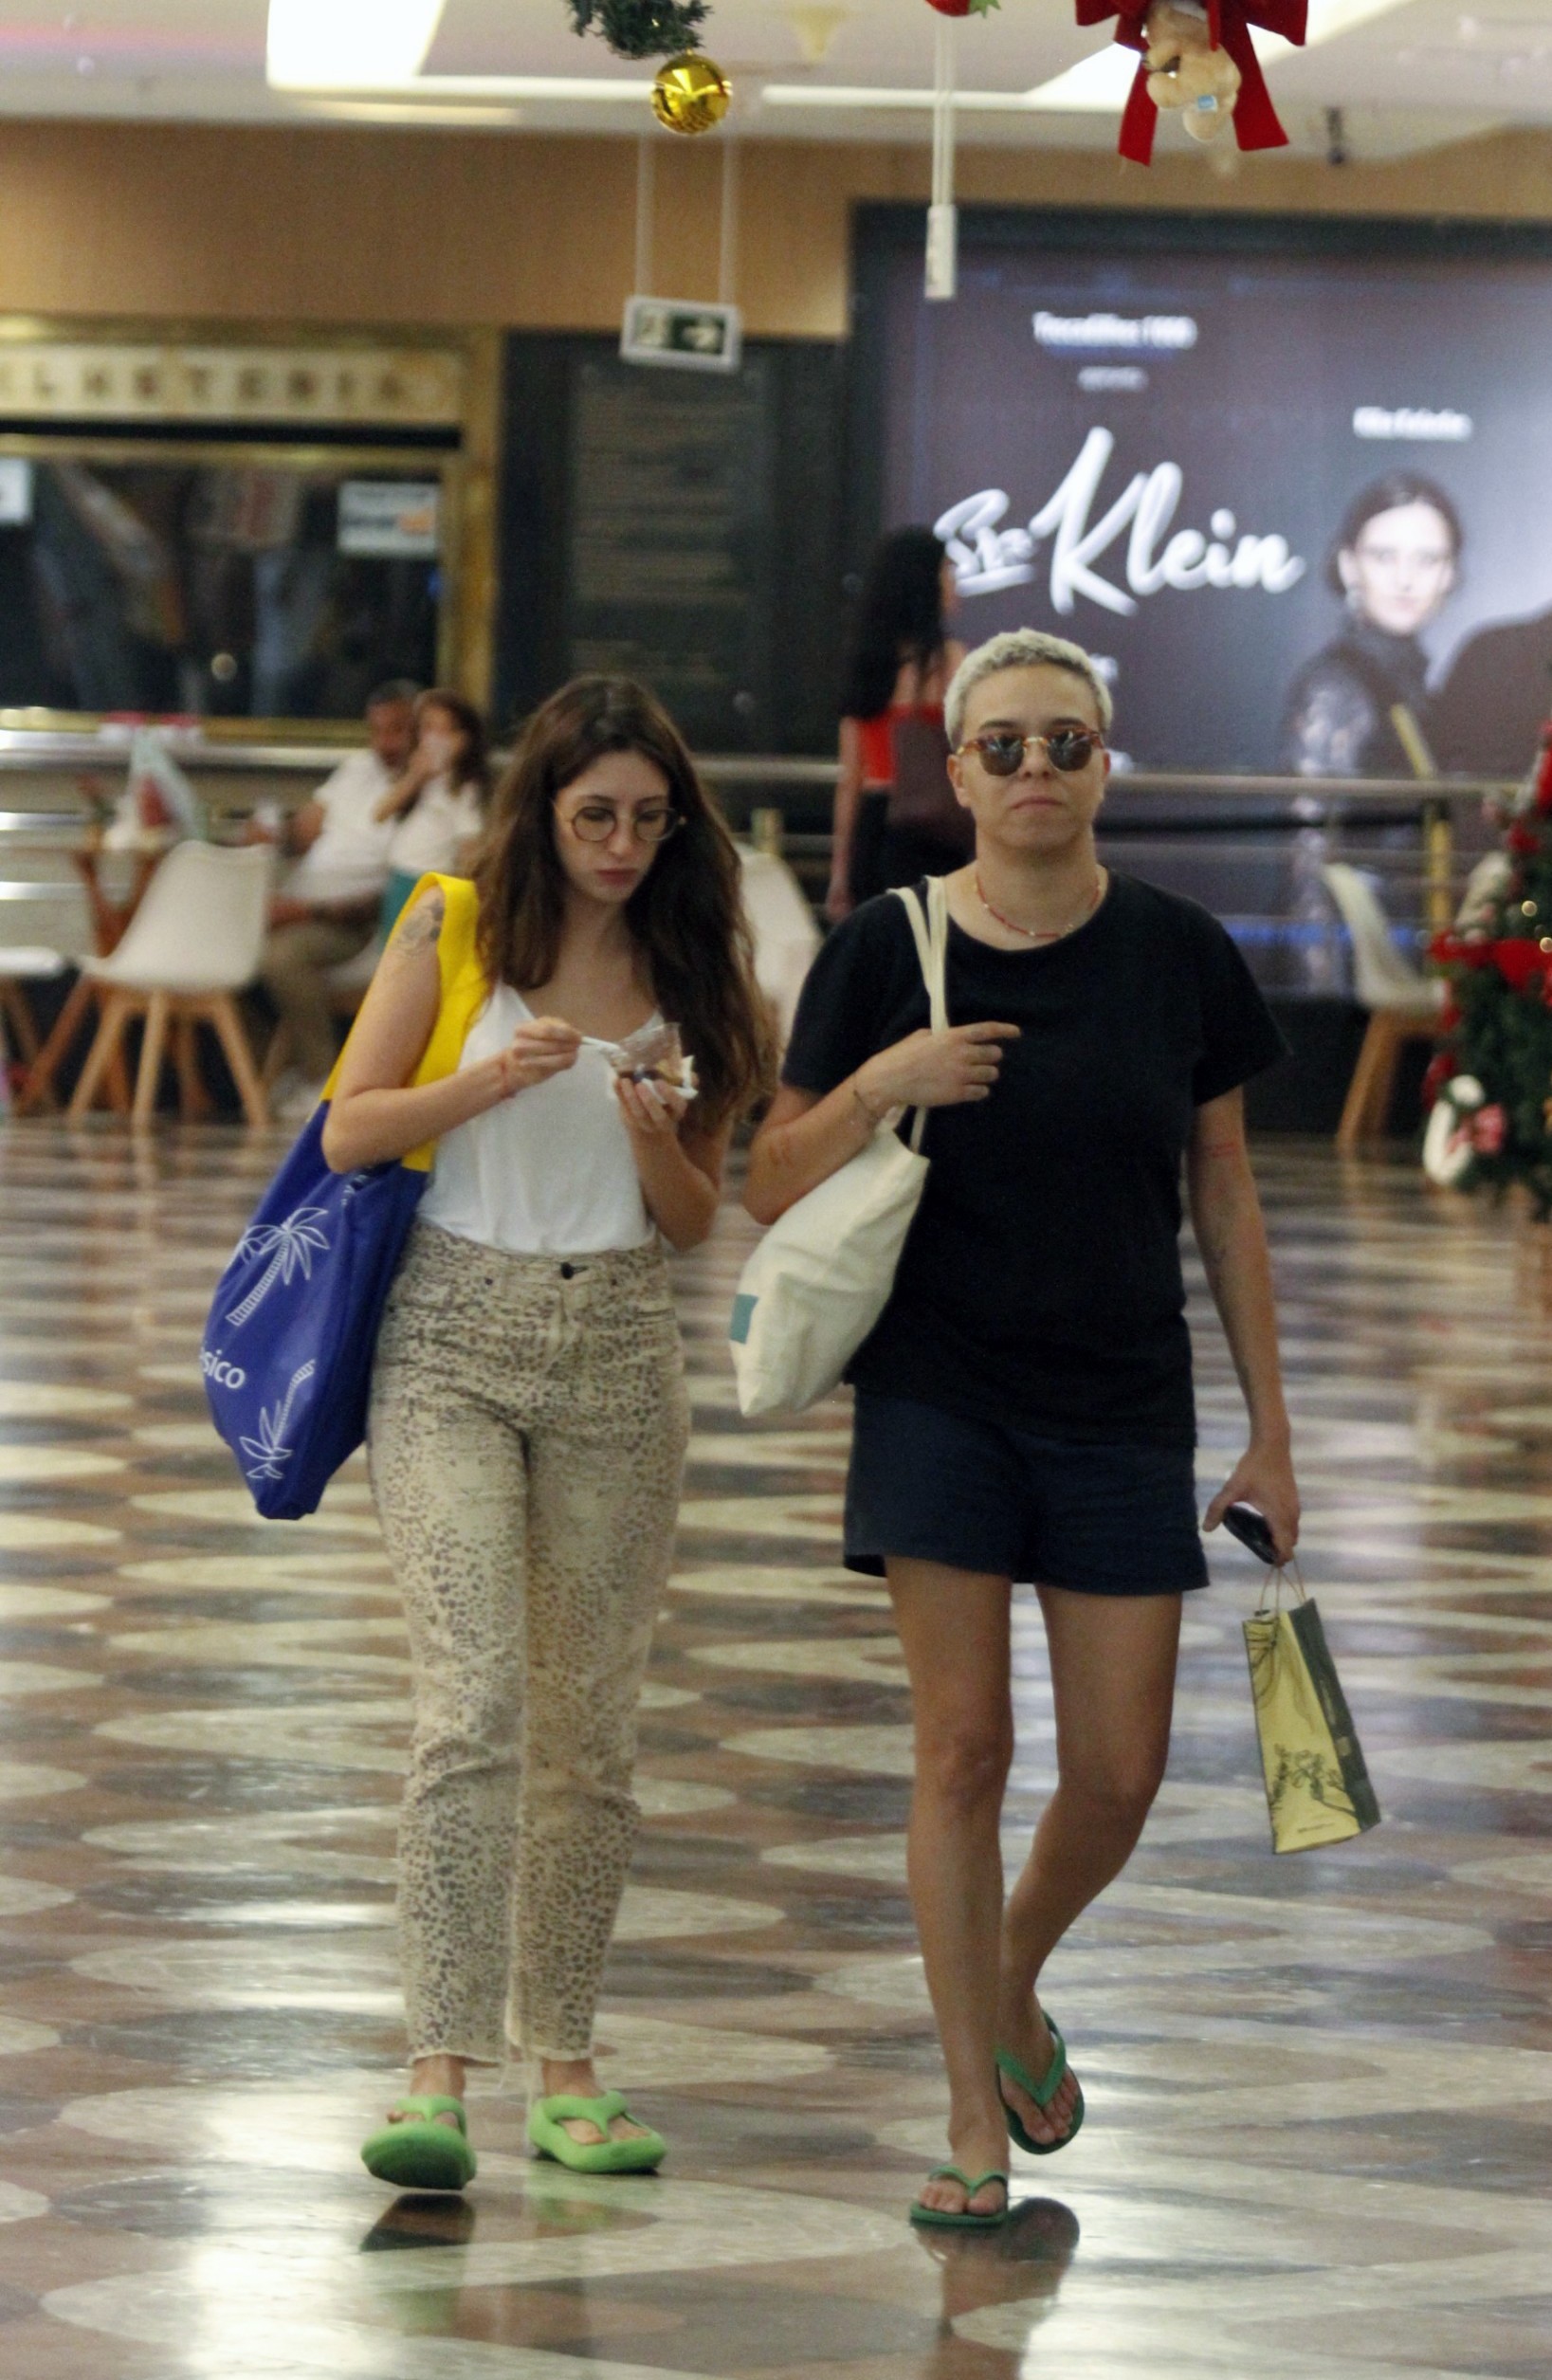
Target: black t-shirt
{"type": "Point", "coordinates": [1041, 1283]}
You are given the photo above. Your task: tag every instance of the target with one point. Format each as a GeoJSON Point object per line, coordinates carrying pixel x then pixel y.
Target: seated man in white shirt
{"type": "Point", "coordinates": [326, 908]}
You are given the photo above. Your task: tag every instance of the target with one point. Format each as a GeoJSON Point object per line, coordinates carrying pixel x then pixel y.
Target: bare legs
{"type": "Point", "coordinates": [1112, 1662]}
{"type": "Point", "coordinates": [1112, 1673]}
{"type": "Point", "coordinates": [953, 1631]}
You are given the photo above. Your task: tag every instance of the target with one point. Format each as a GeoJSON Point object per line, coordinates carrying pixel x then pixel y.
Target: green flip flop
{"type": "Point", "coordinates": [940, 2219]}
{"type": "Point", "coordinates": [547, 2120]}
{"type": "Point", "coordinates": [1041, 2093]}
{"type": "Point", "coordinates": [418, 2153]}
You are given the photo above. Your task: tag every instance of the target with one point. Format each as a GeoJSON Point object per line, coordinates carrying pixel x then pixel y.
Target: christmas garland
{"type": "Point", "coordinates": [642, 28]}
{"type": "Point", "coordinates": [662, 28]}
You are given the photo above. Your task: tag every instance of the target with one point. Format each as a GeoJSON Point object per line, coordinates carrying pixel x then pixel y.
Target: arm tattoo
{"type": "Point", "coordinates": [421, 927]}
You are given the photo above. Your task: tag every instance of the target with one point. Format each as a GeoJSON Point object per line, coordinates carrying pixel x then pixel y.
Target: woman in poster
{"type": "Point", "coordinates": [1394, 564]}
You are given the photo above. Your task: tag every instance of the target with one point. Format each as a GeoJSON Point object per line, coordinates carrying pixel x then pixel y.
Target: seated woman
{"type": "Point", "coordinates": [439, 800]}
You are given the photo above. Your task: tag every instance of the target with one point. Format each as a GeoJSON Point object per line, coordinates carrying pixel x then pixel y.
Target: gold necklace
{"type": "Point", "coordinates": [1031, 933]}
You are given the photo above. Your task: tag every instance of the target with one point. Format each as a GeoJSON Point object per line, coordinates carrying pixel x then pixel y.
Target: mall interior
{"type": "Point", "coordinates": [369, 371]}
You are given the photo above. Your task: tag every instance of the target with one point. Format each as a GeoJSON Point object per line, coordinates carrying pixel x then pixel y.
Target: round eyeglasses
{"type": "Point", "coordinates": [595, 822]}
{"type": "Point", "coordinates": [1069, 749]}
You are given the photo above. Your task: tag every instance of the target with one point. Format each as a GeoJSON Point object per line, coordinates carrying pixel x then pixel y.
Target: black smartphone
{"type": "Point", "coordinates": [1243, 1522]}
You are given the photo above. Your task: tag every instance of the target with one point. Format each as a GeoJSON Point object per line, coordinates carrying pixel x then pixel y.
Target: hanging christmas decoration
{"type": "Point", "coordinates": [691, 93]}
{"type": "Point", "coordinates": [642, 28]}
{"type": "Point", "coordinates": [1197, 56]}
{"type": "Point", "coordinates": [942, 275]}
{"type": "Point", "coordinates": [942, 267]}
{"type": "Point", "coordinates": [1186, 72]}
{"type": "Point", "coordinates": [1463, 1126]}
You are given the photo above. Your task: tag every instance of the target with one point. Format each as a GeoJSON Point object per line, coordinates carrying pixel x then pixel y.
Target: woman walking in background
{"type": "Point", "coordinates": [440, 799]}
{"type": "Point", "coordinates": [900, 661]}
{"type": "Point", "coordinates": [529, 1417]}
{"type": "Point", "coordinates": [1024, 1407]}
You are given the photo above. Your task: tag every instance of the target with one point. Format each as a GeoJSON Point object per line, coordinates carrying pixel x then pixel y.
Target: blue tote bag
{"type": "Point", "coordinates": [288, 1345]}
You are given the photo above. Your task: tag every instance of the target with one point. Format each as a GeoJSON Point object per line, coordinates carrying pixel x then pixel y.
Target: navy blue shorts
{"type": "Point", "coordinates": [929, 1486]}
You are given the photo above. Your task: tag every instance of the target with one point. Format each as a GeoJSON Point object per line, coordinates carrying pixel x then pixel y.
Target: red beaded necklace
{"type": "Point", "coordinates": [1031, 933]}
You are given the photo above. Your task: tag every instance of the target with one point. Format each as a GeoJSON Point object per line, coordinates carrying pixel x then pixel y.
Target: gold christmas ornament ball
{"type": "Point", "coordinates": [691, 93]}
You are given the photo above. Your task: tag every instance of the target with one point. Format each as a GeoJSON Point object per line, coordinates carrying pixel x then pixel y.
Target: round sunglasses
{"type": "Point", "coordinates": [1068, 749]}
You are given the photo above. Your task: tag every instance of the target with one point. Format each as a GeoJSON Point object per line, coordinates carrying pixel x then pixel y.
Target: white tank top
{"type": "Point", "coordinates": [549, 1172]}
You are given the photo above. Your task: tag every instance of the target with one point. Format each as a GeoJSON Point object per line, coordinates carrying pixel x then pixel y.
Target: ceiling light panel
{"type": "Point", "coordinates": [1100, 81]}
{"type": "Point", "coordinates": [1329, 21]}
{"type": "Point", "coordinates": [335, 44]}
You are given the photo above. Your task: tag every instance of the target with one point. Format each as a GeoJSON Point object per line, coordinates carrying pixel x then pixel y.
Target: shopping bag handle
{"type": "Point", "coordinates": [930, 934]}
{"type": "Point", "coordinates": [1282, 1574]}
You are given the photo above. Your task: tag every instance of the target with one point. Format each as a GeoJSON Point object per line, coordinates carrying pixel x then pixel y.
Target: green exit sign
{"type": "Point", "coordinates": [684, 337]}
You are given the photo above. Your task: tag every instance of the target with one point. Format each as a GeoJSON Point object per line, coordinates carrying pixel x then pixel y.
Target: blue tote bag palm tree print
{"type": "Point", "coordinates": [288, 1345]}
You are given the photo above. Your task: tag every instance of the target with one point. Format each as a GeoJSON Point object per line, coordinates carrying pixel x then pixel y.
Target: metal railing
{"type": "Point", "coordinates": [1251, 846]}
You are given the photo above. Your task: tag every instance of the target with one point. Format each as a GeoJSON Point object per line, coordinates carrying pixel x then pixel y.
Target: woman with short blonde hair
{"type": "Point", "coordinates": [1024, 1407]}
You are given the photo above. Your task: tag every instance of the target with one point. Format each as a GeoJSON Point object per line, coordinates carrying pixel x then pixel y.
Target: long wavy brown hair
{"type": "Point", "coordinates": [686, 914]}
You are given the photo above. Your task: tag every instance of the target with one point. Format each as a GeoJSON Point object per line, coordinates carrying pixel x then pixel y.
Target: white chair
{"type": "Point", "coordinates": [1402, 1002]}
{"type": "Point", "coordinates": [193, 941]}
{"type": "Point", "coordinates": [785, 934]}
{"type": "Point", "coordinates": [23, 963]}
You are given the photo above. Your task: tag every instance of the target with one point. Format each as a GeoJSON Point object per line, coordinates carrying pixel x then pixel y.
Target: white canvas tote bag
{"type": "Point", "coordinates": [821, 1276]}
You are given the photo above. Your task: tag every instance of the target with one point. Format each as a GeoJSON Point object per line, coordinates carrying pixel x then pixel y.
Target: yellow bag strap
{"type": "Point", "coordinates": [463, 993]}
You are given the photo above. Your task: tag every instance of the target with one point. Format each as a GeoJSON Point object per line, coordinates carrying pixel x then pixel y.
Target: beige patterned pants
{"type": "Point", "coordinates": [527, 1434]}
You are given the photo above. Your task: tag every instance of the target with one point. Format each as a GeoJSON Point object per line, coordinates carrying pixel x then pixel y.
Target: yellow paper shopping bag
{"type": "Point", "coordinates": [1317, 1788]}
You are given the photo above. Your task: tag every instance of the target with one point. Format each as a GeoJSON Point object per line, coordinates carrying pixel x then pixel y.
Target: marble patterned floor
{"type": "Point", "coordinates": [1319, 2134]}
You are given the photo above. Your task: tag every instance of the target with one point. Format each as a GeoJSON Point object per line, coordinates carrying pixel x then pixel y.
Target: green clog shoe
{"type": "Point", "coordinates": [547, 2120]}
{"type": "Point", "coordinates": [419, 2153]}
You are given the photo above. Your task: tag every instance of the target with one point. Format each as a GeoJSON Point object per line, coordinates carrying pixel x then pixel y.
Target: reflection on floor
{"type": "Point", "coordinates": [1320, 2089]}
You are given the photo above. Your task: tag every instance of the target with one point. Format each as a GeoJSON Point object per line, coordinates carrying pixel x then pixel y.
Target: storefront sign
{"type": "Point", "coordinates": [90, 380]}
{"type": "Point", "coordinates": [986, 557]}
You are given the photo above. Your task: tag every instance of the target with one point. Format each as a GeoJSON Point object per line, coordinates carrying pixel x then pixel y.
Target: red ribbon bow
{"type": "Point", "coordinates": [1229, 24]}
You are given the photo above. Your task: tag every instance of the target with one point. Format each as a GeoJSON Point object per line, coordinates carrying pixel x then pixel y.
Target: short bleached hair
{"type": "Point", "coordinates": [1021, 648]}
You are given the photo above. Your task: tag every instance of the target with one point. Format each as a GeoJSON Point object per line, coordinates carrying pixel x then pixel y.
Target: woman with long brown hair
{"type": "Point", "coordinates": [529, 1416]}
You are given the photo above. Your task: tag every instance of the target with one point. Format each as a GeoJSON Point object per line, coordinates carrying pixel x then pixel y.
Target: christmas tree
{"type": "Point", "coordinates": [1491, 1080]}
